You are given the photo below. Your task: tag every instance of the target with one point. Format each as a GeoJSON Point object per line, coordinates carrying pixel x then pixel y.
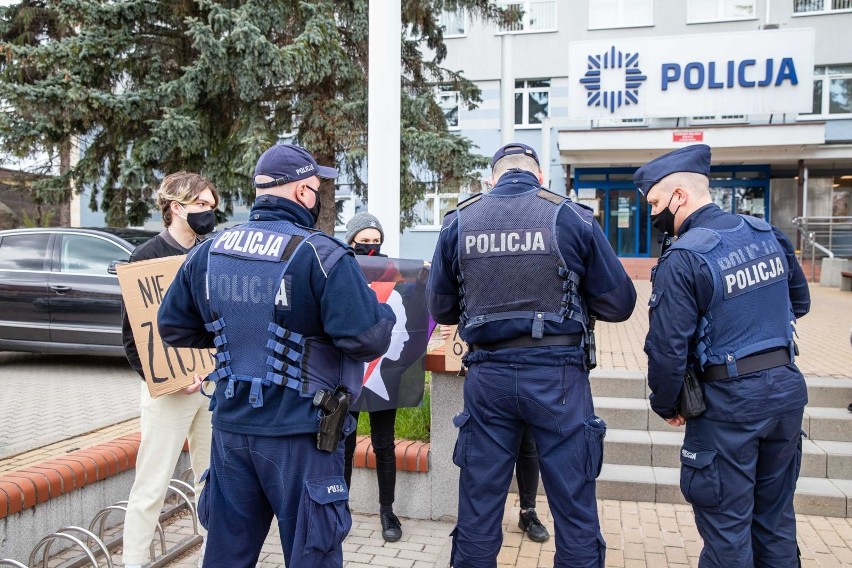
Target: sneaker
{"type": "Point", "coordinates": [529, 523]}
{"type": "Point", "coordinates": [391, 527]}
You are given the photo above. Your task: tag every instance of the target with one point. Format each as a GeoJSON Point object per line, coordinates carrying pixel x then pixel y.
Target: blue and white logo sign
{"type": "Point", "coordinates": [612, 61]}
{"type": "Point", "coordinates": [757, 72]}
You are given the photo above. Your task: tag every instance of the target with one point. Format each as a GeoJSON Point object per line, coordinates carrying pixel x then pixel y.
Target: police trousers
{"type": "Point", "coordinates": [740, 478]}
{"type": "Point", "coordinates": [252, 478]}
{"type": "Point", "coordinates": [556, 404]}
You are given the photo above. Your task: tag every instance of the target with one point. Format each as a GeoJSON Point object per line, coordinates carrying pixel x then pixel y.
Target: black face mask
{"type": "Point", "coordinates": [315, 210]}
{"type": "Point", "coordinates": [664, 221]}
{"type": "Point", "coordinates": [202, 222]}
{"type": "Point", "coordinates": [366, 249]}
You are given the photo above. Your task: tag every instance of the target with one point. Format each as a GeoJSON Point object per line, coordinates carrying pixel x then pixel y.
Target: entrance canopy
{"type": "Point", "coordinates": [774, 144]}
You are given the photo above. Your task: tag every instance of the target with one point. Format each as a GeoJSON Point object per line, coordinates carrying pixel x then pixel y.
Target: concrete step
{"type": "Point", "coordinates": [824, 392]}
{"type": "Point", "coordinates": [820, 458]}
{"type": "Point", "coordinates": [828, 392]}
{"type": "Point", "coordinates": [616, 383]}
{"type": "Point", "coordinates": [819, 423]}
{"type": "Point", "coordinates": [814, 496]}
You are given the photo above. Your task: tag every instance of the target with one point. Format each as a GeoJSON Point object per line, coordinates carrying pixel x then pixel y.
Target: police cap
{"type": "Point", "coordinates": [694, 158]}
{"type": "Point", "coordinates": [511, 149]}
{"type": "Point", "coordinates": [286, 163]}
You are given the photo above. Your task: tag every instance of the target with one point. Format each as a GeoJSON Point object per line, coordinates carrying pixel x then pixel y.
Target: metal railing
{"type": "Point", "coordinates": [824, 237]}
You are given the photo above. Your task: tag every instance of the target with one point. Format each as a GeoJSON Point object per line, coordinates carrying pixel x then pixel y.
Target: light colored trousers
{"type": "Point", "coordinates": [166, 422]}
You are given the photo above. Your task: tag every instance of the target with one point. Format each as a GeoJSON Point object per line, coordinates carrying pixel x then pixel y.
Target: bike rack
{"type": "Point", "coordinates": [48, 541]}
{"type": "Point", "coordinates": [94, 544]}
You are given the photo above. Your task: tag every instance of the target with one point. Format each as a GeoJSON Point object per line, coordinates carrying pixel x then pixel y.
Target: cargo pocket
{"type": "Point", "coordinates": [202, 506]}
{"type": "Point", "coordinates": [802, 436]}
{"type": "Point", "coordinates": [699, 479]}
{"type": "Point", "coordinates": [595, 432]}
{"type": "Point", "coordinates": [328, 518]}
{"type": "Point", "coordinates": [460, 421]}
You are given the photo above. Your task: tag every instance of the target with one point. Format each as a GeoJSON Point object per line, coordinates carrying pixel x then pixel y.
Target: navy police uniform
{"type": "Point", "coordinates": [289, 312]}
{"type": "Point", "coordinates": [521, 269]}
{"type": "Point", "coordinates": [723, 301]}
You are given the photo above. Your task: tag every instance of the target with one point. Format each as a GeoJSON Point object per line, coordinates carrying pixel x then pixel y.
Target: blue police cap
{"type": "Point", "coordinates": [511, 149]}
{"type": "Point", "coordinates": [694, 158]}
{"type": "Point", "coordinates": [286, 163]}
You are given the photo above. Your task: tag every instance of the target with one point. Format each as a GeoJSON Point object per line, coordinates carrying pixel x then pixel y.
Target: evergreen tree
{"type": "Point", "coordinates": [148, 87]}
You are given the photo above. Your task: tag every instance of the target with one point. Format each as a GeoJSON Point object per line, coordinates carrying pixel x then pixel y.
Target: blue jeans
{"type": "Point", "coordinates": [555, 402]}
{"type": "Point", "coordinates": [740, 478]}
{"type": "Point", "coordinates": [252, 478]}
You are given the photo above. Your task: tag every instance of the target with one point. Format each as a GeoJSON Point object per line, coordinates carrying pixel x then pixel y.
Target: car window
{"type": "Point", "coordinates": [23, 252]}
{"type": "Point", "coordinates": [84, 254]}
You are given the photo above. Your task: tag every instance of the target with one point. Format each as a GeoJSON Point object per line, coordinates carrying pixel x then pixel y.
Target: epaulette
{"type": "Point", "coordinates": [550, 196]}
{"type": "Point", "coordinates": [583, 205]}
{"type": "Point", "coordinates": [329, 249]}
{"type": "Point", "coordinates": [469, 201]}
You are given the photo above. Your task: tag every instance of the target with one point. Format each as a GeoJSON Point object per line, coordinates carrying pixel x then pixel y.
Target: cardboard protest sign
{"type": "Point", "coordinates": [454, 350]}
{"type": "Point", "coordinates": [167, 369]}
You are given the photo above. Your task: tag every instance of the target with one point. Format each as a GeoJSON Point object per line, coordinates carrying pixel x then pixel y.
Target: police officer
{"type": "Point", "coordinates": [292, 320]}
{"type": "Point", "coordinates": [724, 297]}
{"type": "Point", "coordinates": [521, 270]}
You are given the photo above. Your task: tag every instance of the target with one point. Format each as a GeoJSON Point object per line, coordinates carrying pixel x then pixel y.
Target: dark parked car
{"type": "Point", "coordinates": [58, 289]}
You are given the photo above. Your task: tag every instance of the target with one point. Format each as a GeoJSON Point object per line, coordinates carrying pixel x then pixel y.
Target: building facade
{"type": "Point", "coordinates": [766, 83]}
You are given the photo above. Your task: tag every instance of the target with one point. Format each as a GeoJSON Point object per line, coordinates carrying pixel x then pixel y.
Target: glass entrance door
{"type": "Point", "coordinates": [618, 207]}
{"type": "Point", "coordinates": [624, 222]}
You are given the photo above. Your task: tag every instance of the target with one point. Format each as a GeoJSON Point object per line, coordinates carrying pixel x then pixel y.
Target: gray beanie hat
{"type": "Point", "coordinates": [360, 222]}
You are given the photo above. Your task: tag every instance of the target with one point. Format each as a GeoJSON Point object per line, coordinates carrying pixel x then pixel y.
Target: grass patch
{"type": "Point", "coordinates": [411, 423]}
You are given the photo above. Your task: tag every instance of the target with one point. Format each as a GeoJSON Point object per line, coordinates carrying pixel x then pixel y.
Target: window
{"type": "Point", "coordinates": [532, 99]}
{"type": "Point", "coordinates": [604, 14]}
{"type": "Point", "coordinates": [82, 254]}
{"type": "Point", "coordinates": [618, 122]}
{"type": "Point", "coordinates": [23, 252]}
{"type": "Point", "coordinates": [820, 6]}
{"type": "Point", "coordinates": [346, 204]}
{"type": "Point", "coordinates": [535, 15]}
{"type": "Point", "coordinates": [719, 10]}
{"type": "Point", "coordinates": [448, 100]}
{"type": "Point", "coordinates": [430, 211]}
{"type": "Point", "coordinates": [720, 119]}
{"type": "Point", "coordinates": [832, 91]}
{"type": "Point", "coordinates": [452, 22]}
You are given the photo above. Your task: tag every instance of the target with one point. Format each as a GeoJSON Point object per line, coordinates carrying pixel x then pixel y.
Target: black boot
{"type": "Point", "coordinates": [529, 523]}
{"type": "Point", "coordinates": [391, 527]}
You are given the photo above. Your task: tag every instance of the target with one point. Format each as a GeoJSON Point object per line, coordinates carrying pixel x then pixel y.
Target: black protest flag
{"type": "Point", "coordinates": [396, 379]}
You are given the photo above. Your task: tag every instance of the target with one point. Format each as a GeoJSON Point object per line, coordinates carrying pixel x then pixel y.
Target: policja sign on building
{"type": "Point", "coordinates": [762, 72]}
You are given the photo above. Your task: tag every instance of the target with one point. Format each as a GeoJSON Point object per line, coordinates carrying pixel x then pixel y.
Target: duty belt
{"type": "Point", "coordinates": [573, 339]}
{"type": "Point", "coordinates": [746, 365]}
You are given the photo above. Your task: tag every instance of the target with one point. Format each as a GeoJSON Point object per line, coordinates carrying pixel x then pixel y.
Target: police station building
{"type": "Point", "coordinates": [599, 87]}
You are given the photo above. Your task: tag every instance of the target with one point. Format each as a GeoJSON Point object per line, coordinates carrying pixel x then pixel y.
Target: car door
{"type": "Point", "coordinates": [24, 270]}
{"type": "Point", "coordinates": [85, 299]}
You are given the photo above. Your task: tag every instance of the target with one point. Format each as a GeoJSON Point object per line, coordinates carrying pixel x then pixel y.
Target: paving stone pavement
{"type": "Point", "coordinates": [638, 535]}
{"type": "Point", "coordinates": [58, 397]}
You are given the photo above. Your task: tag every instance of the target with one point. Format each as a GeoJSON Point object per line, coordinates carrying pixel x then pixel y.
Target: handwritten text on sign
{"type": "Point", "coordinates": [167, 369]}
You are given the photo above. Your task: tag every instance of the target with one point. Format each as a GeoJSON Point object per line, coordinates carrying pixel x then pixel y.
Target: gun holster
{"type": "Point", "coordinates": [591, 348]}
{"type": "Point", "coordinates": [335, 408]}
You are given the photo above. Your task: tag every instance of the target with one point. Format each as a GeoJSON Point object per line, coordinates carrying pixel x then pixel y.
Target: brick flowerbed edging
{"type": "Point", "coordinates": [37, 483]}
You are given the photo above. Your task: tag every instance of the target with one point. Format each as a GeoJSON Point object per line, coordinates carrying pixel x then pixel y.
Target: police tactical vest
{"type": "Point", "coordinates": [750, 310]}
{"type": "Point", "coordinates": [510, 264]}
{"type": "Point", "coordinates": [248, 291]}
